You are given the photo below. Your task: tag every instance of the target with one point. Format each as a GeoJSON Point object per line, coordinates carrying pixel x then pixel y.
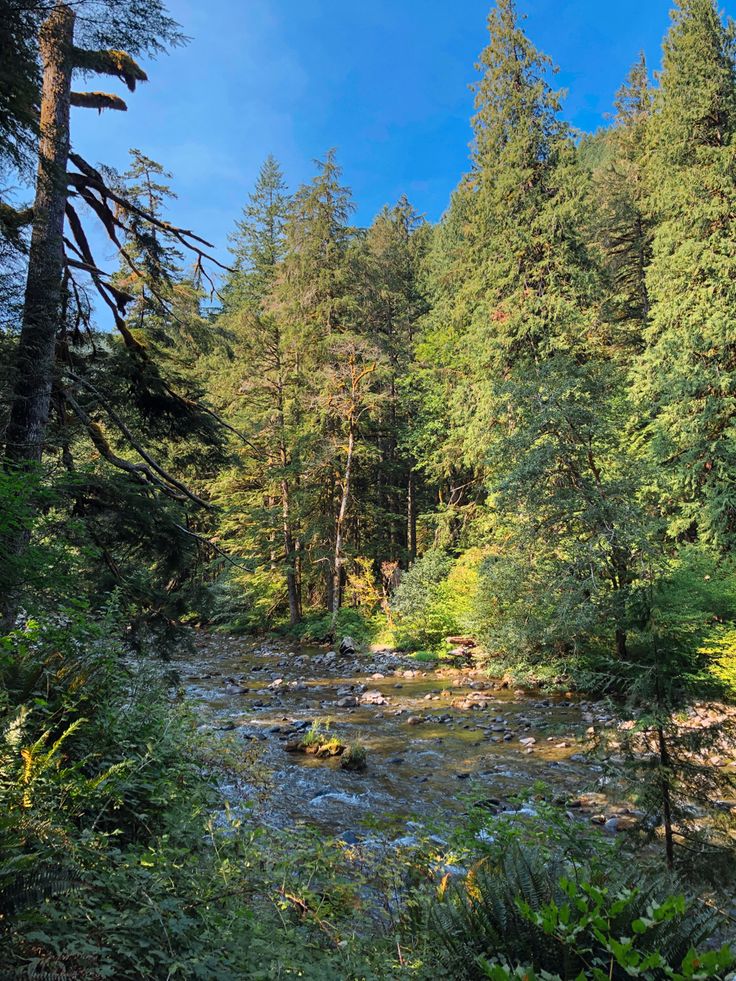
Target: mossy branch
{"type": "Point", "coordinates": [98, 101]}
{"type": "Point", "coordinates": [13, 220]}
{"type": "Point", "coordinates": [111, 62]}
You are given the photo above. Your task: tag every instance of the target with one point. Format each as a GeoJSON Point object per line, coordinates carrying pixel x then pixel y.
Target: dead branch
{"type": "Point", "coordinates": [140, 450]}
{"type": "Point", "coordinates": [210, 544]}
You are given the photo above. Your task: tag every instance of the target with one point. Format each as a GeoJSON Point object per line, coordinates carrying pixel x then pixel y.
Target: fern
{"type": "Point", "coordinates": [501, 912]}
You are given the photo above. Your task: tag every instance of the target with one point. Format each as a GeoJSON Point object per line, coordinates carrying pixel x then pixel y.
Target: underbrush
{"type": "Point", "coordinates": [117, 858]}
{"type": "Point", "coordinates": [316, 627]}
{"type": "Point", "coordinates": [104, 870]}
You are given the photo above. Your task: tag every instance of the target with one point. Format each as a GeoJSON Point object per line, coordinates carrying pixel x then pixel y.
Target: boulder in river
{"type": "Point", "coordinates": [354, 759]}
{"type": "Point", "coordinates": [373, 697]}
{"type": "Point", "coordinates": [347, 647]}
{"type": "Point", "coordinates": [348, 701]}
{"type": "Point", "coordinates": [322, 749]}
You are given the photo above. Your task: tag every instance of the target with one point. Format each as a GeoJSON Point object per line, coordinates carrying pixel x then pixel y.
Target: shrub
{"type": "Point", "coordinates": [316, 627]}
{"type": "Point", "coordinates": [434, 599]}
{"type": "Point", "coordinates": [105, 864]}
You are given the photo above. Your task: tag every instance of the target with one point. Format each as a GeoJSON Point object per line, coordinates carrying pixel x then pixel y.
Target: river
{"type": "Point", "coordinates": [435, 737]}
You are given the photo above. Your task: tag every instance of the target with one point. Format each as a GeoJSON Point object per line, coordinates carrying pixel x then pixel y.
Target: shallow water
{"type": "Point", "coordinates": [419, 770]}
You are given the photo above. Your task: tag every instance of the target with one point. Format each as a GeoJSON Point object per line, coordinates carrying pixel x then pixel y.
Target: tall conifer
{"type": "Point", "coordinates": [687, 375]}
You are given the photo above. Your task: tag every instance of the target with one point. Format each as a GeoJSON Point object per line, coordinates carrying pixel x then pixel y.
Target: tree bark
{"type": "Point", "coordinates": [621, 645]}
{"type": "Point", "coordinates": [36, 354]}
{"type": "Point", "coordinates": [339, 560]}
{"type": "Point", "coordinates": [295, 613]}
{"type": "Point", "coordinates": [43, 297]}
{"type": "Point", "coordinates": [411, 517]}
{"type": "Point", "coordinates": [291, 548]}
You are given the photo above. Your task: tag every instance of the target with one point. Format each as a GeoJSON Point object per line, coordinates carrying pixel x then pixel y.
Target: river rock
{"type": "Point", "coordinates": [347, 647]}
{"type": "Point", "coordinates": [349, 701]}
{"type": "Point", "coordinates": [373, 697]}
{"type": "Point", "coordinates": [414, 720]}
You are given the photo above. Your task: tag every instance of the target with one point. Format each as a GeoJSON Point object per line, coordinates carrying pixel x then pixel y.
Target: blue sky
{"type": "Point", "coordinates": [385, 82]}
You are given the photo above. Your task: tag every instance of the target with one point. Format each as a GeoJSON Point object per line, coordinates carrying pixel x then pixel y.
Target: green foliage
{"type": "Point", "coordinates": [111, 861]}
{"type": "Point", "coordinates": [355, 757]}
{"type": "Point", "coordinates": [420, 606]}
{"type": "Point", "coordinates": [685, 376]}
{"type": "Point", "coordinates": [529, 909]}
{"type": "Point", "coordinates": [102, 800]}
{"type": "Point", "coordinates": [316, 627]}
{"type": "Point", "coordinates": [435, 599]}
{"type": "Point", "coordinates": [518, 424]}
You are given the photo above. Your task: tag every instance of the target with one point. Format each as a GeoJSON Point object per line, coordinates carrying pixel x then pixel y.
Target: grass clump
{"type": "Point", "coordinates": [355, 758]}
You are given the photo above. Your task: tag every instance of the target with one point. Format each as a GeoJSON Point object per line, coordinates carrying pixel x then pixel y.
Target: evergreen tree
{"type": "Point", "coordinates": [315, 295]}
{"type": "Point", "coordinates": [436, 441]}
{"type": "Point", "coordinates": [622, 223]}
{"type": "Point", "coordinates": [258, 244]}
{"type": "Point", "coordinates": [540, 412]}
{"type": "Point", "coordinates": [392, 302]}
{"type": "Point", "coordinates": [687, 375]}
{"type": "Point", "coordinates": [258, 389]}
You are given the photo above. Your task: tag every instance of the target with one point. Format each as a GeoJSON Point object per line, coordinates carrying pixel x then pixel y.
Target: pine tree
{"type": "Point", "coordinates": [622, 224]}
{"type": "Point", "coordinates": [151, 442]}
{"type": "Point", "coordinates": [258, 244]}
{"type": "Point", "coordinates": [315, 295]}
{"type": "Point", "coordinates": [59, 250]}
{"type": "Point", "coordinates": [540, 412]}
{"type": "Point", "coordinates": [258, 389]}
{"type": "Point", "coordinates": [436, 441]}
{"type": "Point", "coordinates": [687, 375]}
{"type": "Point", "coordinates": [392, 303]}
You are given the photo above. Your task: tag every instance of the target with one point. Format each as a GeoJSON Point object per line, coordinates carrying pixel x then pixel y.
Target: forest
{"type": "Point", "coordinates": [368, 594]}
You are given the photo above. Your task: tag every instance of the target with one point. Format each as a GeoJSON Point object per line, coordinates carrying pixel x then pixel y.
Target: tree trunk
{"type": "Point", "coordinates": [291, 548]}
{"type": "Point", "coordinates": [295, 613]}
{"type": "Point", "coordinates": [664, 761]}
{"type": "Point", "coordinates": [411, 517]}
{"type": "Point", "coordinates": [621, 647]}
{"type": "Point", "coordinates": [339, 560]}
{"type": "Point", "coordinates": [270, 507]}
{"type": "Point", "coordinates": [41, 312]}
{"type": "Point", "coordinates": [35, 358]}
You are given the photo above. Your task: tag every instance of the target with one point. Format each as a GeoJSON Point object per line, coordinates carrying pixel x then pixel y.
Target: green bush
{"type": "Point", "coordinates": [420, 607]}
{"type": "Point", "coordinates": [114, 861]}
{"type": "Point", "coordinates": [316, 627]}
{"type": "Point", "coordinates": [105, 865]}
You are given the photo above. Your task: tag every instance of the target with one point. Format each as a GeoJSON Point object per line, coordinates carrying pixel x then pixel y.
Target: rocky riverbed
{"type": "Point", "coordinates": [432, 735]}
